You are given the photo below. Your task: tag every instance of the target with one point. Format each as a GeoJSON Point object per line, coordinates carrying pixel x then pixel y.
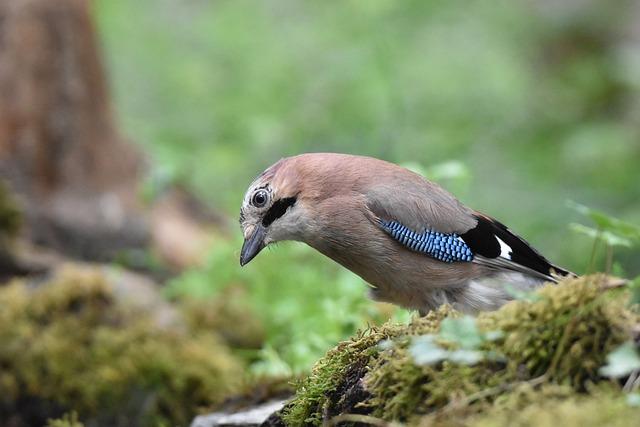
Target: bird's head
{"type": "Point", "coordinates": [298, 197]}
{"type": "Point", "coordinates": [271, 210]}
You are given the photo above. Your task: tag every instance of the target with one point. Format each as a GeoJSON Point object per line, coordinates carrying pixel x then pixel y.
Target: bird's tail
{"type": "Point", "coordinates": [558, 273]}
{"type": "Point", "coordinates": [494, 245]}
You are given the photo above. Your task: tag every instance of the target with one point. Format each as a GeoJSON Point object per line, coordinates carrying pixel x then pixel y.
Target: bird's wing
{"type": "Point", "coordinates": [419, 204]}
{"type": "Point", "coordinates": [495, 245]}
{"type": "Point", "coordinates": [427, 219]}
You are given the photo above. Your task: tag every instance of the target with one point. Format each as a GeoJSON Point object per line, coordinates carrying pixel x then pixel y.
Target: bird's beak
{"type": "Point", "coordinates": [252, 245]}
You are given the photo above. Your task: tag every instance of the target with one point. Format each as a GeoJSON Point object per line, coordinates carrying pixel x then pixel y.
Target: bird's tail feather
{"type": "Point", "coordinates": [496, 246]}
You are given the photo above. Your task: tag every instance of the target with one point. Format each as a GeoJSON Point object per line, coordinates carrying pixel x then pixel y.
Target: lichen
{"type": "Point", "coordinates": [68, 344]}
{"type": "Point", "coordinates": [561, 336]}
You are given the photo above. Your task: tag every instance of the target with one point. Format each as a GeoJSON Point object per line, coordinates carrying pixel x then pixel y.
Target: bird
{"type": "Point", "coordinates": [412, 241]}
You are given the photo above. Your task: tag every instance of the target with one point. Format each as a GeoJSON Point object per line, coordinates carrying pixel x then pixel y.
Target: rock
{"type": "Point", "coordinates": [140, 293]}
{"type": "Point", "coordinates": [253, 416]}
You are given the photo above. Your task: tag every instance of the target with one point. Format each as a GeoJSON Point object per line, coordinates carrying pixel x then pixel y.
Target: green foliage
{"type": "Point", "coordinates": [622, 361]}
{"type": "Point", "coordinates": [461, 333]}
{"type": "Point", "coordinates": [425, 350]}
{"type": "Point", "coordinates": [70, 344]}
{"type": "Point", "coordinates": [464, 332]}
{"type": "Point", "coordinates": [561, 338]}
{"type": "Point", "coordinates": [633, 399]}
{"type": "Point", "coordinates": [612, 231]}
{"type": "Point", "coordinates": [305, 303]}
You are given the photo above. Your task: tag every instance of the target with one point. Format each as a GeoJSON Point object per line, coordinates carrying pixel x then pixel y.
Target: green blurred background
{"type": "Point", "coordinates": [515, 106]}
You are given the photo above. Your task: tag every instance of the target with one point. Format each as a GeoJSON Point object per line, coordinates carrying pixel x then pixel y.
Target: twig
{"type": "Point", "coordinates": [632, 382]}
{"type": "Point", "coordinates": [636, 384]}
{"type": "Point", "coordinates": [614, 282]}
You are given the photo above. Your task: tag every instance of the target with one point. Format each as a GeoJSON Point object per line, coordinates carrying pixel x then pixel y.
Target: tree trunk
{"type": "Point", "coordinates": [60, 151]}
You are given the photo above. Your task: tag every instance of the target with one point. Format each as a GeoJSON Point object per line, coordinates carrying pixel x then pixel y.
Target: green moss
{"type": "Point", "coordinates": [567, 333]}
{"type": "Point", "coordinates": [229, 314]}
{"type": "Point", "coordinates": [67, 420]}
{"type": "Point", "coordinates": [562, 337]}
{"type": "Point", "coordinates": [69, 344]}
{"type": "Point", "coordinates": [316, 392]}
{"type": "Point", "coordinates": [545, 407]}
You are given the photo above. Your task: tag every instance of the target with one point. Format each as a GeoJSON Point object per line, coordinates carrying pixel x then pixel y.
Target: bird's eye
{"type": "Point", "coordinates": [259, 198]}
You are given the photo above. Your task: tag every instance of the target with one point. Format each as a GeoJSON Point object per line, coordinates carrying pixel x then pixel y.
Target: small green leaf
{"type": "Point", "coordinates": [609, 238]}
{"type": "Point", "coordinates": [466, 357]}
{"type": "Point", "coordinates": [633, 399]}
{"type": "Point", "coordinates": [622, 361]}
{"type": "Point", "coordinates": [608, 224]}
{"type": "Point", "coordinates": [425, 351]}
{"type": "Point", "coordinates": [493, 335]}
{"type": "Point", "coordinates": [385, 345]}
{"type": "Point", "coordinates": [461, 331]}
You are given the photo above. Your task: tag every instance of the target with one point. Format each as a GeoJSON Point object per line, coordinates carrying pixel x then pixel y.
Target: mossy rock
{"type": "Point", "coordinates": [560, 336]}
{"type": "Point", "coordinates": [68, 344]}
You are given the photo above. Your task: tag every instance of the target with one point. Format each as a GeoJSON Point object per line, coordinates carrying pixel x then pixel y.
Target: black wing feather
{"type": "Point", "coordinates": [483, 241]}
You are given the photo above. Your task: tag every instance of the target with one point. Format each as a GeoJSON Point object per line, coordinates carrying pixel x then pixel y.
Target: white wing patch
{"type": "Point", "coordinates": [505, 250]}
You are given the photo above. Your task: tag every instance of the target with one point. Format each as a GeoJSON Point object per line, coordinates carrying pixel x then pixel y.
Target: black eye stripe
{"type": "Point", "coordinates": [277, 210]}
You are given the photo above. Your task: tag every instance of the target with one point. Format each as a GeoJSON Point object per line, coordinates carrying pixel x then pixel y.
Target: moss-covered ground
{"type": "Point", "coordinates": [69, 344]}
{"type": "Point", "coordinates": [73, 353]}
{"type": "Point", "coordinates": [541, 364]}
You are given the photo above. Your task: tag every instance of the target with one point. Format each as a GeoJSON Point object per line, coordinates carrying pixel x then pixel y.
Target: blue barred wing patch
{"type": "Point", "coordinates": [443, 247]}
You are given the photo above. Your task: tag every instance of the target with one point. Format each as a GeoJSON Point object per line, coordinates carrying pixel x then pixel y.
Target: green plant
{"type": "Point", "coordinates": [460, 333]}
{"type": "Point", "coordinates": [609, 231]}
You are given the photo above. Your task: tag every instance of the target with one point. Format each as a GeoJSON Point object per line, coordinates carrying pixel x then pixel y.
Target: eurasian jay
{"type": "Point", "coordinates": [412, 241]}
